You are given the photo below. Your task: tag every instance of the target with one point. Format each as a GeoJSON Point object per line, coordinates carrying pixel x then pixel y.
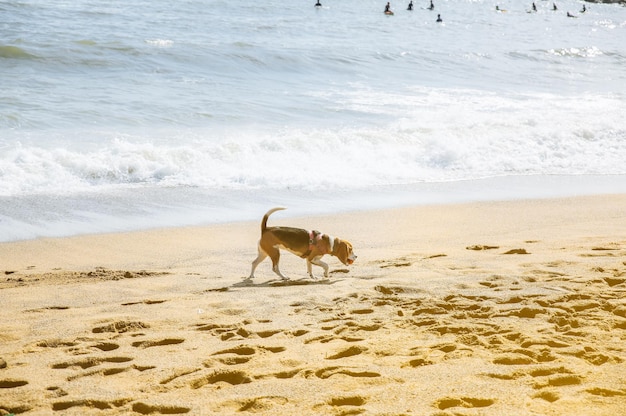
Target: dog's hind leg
{"type": "Point", "coordinates": [274, 254]}
{"type": "Point", "coordinates": [262, 256]}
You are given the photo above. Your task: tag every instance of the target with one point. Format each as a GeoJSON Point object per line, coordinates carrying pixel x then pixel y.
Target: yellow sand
{"type": "Point", "coordinates": [434, 318]}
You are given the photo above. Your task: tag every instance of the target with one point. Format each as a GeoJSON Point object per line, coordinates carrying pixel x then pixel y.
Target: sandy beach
{"type": "Point", "coordinates": [493, 308]}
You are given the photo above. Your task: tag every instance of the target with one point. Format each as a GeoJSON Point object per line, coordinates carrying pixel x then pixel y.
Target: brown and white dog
{"type": "Point", "coordinates": [310, 245]}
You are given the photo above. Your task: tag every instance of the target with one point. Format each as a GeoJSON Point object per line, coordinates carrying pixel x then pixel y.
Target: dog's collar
{"type": "Point", "coordinates": [315, 237]}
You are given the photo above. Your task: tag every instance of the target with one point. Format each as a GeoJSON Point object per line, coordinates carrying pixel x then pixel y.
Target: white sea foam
{"type": "Point", "coordinates": [444, 135]}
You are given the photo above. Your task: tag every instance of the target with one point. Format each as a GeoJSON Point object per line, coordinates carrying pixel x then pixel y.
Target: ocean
{"type": "Point", "coordinates": [127, 115]}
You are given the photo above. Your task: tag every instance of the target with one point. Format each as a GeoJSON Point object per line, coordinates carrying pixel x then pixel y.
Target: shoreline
{"type": "Point", "coordinates": [510, 307]}
{"type": "Point", "coordinates": [16, 254]}
{"type": "Point", "coordinates": [143, 209]}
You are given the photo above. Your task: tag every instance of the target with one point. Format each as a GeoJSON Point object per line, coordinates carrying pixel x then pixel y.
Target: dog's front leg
{"type": "Point", "coordinates": [318, 262]}
{"type": "Point", "coordinates": [309, 269]}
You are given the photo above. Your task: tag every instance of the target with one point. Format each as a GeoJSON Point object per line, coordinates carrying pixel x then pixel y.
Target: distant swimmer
{"type": "Point", "coordinates": [570, 15]}
{"type": "Point", "coordinates": [318, 4]}
{"type": "Point", "coordinates": [432, 6]}
{"type": "Point", "coordinates": [410, 5]}
{"type": "Point", "coordinates": [534, 7]}
{"type": "Point", "coordinates": [439, 20]}
{"type": "Point", "coordinates": [584, 9]}
{"type": "Point", "coordinates": [554, 7]}
{"type": "Point", "coordinates": [387, 8]}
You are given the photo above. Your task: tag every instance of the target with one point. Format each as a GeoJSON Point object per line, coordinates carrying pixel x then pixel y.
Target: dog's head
{"type": "Point", "coordinates": [344, 252]}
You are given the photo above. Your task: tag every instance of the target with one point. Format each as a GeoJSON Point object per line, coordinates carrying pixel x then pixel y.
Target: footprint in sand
{"type": "Point", "coordinates": [235, 356]}
{"type": "Point", "coordinates": [224, 376]}
{"type": "Point", "coordinates": [260, 404]}
{"type": "Point", "coordinates": [238, 331]}
{"type": "Point", "coordinates": [324, 339]}
{"type": "Point", "coordinates": [363, 311]}
{"type": "Point", "coordinates": [256, 405]}
{"type": "Point", "coordinates": [547, 395]}
{"type": "Point", "coordinates": [102, 372]}
{"type": "Point", "coordinates": [91, 404]}
{"type": "Point", "coordinates": [89, 362]}
{"type": "Point", "coordinates": [598, 391]}
{"type": "Point", "coordinates": [157, 343]}
{"type": "Point", "coordinates": [49, 308]}
{"type": "Point", "coordinates": [179, 373]}
{"type": "Point", "coordinates": [144, 302]}
{"type": "Point", "coordinates": [348, 352]}
{"type": "Point", "coordinates": [398, 262]}
{"type": "Point", "coordinates": [467, 402]}
{"type": "Point", "coordinates": [240, 350]}
{"type": "Point", "coordinates": [106, 346]}
{"type": "Point", "coordinates": [121, 327]}
{"type": "Point", "coordinates": [480, 247]}
{"type": "Point", "coordinates": [56, 343]}
{"type": "Point", "coordinates": [342, 405]}
{"type": "Point", "coordinates": [146, 409]}
{"type": "Point", "coordinates": [242, 354]}
{"type": "Point", "coordinates": [517, 251]}
{"type": "Point", "coordinates": [56, 392]}
{"type": "Point", "coordinates": [394, 290]}
{"type": "Point", "coordinates": [347, 401]}
{"type": "Point", "coordinates": [559, 381]}
{"type": "Point", "coordinates": [11, 383]}
{"type": "Point", "coordinates": [526, 312]}
{"type": "Point", "coordinates": [614, 281]}
{"type": "Point", "coordinates": [325, 373]}
{"type": "Point", "coordinates": [224, 332]}
{"type": "Point", "coordinates": [549, 371]}
{"type": "Point", "coordinates": [419, 362]}
{"type": "Point", "coordinates": [231, 360]}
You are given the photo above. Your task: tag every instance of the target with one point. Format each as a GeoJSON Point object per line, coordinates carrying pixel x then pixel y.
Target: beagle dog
{"type": "Point", "coordinates": [310, 245]}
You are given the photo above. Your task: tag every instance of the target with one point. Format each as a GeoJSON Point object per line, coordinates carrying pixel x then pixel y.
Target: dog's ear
{"type": "Point", "coordinates": [343, 251]}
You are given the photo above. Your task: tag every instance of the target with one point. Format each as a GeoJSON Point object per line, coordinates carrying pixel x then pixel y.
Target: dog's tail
{"type": "Point", "coordinates": [267, 215]}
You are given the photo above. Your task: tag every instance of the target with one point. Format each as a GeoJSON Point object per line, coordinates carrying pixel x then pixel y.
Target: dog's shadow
{"type": "Point", "coordinates": [250, 283]}
{"type": "Point", "coordinates": [281, 283]}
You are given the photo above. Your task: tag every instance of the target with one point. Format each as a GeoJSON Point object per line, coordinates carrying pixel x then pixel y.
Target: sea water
{"type": "Point", "coordinates": [121, 115]}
